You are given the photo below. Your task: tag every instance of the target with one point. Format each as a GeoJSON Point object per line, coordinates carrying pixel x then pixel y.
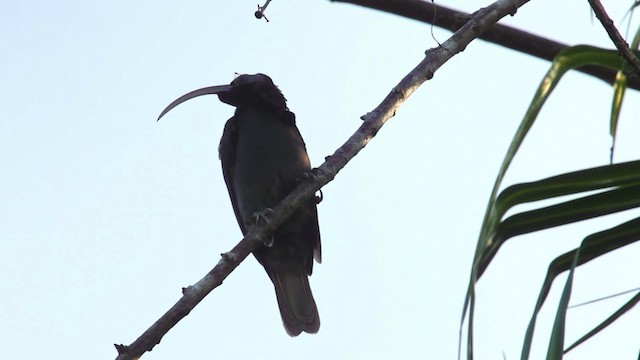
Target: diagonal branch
{"type": "Point", "coordinates": [373, 121]}
{"type": "Point", "coordinates": [503, 35]}
{"type": "Point", "coordinates": [614, 35]}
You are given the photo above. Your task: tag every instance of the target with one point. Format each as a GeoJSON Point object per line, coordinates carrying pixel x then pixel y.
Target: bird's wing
{"type": "Point", "coordinates": [227, 153]}
{"type": "Point", "coordinates": [313, 229]}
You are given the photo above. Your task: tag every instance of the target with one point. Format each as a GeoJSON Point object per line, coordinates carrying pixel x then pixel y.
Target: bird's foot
{"type": "Point", "coordinates": [268, 242]}
{"type": "Point", "coordinates": [263, 216]}
{"type": "Point", "coordinates": [313, 175]}
{"type": "Point", "coordinates": [318, 199]}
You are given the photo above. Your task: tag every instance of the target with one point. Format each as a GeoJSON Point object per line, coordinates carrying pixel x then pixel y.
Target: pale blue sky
{"type": "Point", "coordinates": [105, 214]}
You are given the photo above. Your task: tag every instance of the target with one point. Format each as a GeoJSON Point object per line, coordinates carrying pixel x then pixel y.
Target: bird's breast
{"type": "Point", "coordinates": [270, 158]}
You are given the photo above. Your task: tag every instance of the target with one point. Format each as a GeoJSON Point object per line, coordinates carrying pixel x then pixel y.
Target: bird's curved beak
{"type": "Point", "coordinates": [209, 90]}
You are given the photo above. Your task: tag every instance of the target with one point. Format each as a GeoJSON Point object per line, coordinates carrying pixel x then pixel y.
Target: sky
{"type": "Point", "coordinates": [106, 214]}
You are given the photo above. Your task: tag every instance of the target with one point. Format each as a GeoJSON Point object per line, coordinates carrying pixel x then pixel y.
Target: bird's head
{"type": "Point", "coordinates": [243, 90]}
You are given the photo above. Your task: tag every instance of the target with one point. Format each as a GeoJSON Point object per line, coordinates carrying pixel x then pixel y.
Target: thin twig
{"type": "Point", "coordinates": [614, 35]}
{"type": "Point", "coordinates": [503, 35]}
{"type": "Point", "coordinates": [373, 122]}
{"type": "Point", "coordinates": [604, 298]}
{"type": "Point", "coordinates": [259, 14]}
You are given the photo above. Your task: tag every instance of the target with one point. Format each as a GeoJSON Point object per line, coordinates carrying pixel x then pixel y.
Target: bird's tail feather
{"type": "Point", "coordinates": [297, 306]}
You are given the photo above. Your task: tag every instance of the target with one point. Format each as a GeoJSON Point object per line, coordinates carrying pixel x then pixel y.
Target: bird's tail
{"type": "Point", "coordinates": [297, 306]}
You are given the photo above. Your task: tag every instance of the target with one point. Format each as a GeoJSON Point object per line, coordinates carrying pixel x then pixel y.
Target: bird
{"type": "Point", "coordinates": [263, 159]}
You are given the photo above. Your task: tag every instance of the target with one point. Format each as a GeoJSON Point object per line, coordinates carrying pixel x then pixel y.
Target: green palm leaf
{"type": "Point", "coordinates": [618, 189]}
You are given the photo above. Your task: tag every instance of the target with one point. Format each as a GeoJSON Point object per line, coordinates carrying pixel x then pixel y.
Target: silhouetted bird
{"type": "Point", "coordinates": [263, 159]}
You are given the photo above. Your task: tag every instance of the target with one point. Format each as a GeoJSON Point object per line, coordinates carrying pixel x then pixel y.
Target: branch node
{"type": "Point", "coordinates": [366, 117]}
{"type": "Point", "coordinates": [429, 75]}
{"type": "Point", "coordinates": [122, 349]}
{"type": "Point", "coordinates": [228, 256]}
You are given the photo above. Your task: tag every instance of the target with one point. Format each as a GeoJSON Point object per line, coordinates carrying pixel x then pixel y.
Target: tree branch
{"type": "Point", "coordinates": [373, 122]}
{"type": "Point", "coordinates": [503, 35]}
{"type": "Point", "coordinates": [614, 35]}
